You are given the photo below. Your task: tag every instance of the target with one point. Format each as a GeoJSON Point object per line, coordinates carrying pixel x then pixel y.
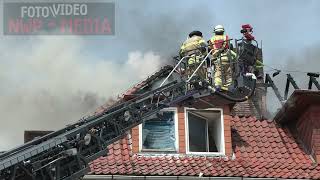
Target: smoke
{"type": "Point", "coordinates": [162, 26]}
{"type": "Point", "coordinates": [48, 82]}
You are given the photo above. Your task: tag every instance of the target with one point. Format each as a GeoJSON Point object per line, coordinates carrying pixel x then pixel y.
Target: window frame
{"type": "Point", "coordinates": [222, 144]}
{"type": "Point", "coordinates": [176, 133]}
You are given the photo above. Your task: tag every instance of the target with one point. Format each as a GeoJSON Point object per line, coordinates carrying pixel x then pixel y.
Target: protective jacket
{"type": "Point", "coordinates": [223, 56]}
{"type": "Point", "coordinates": [219, 42]}
{"type": "Point", "coordinates": [195, 47]}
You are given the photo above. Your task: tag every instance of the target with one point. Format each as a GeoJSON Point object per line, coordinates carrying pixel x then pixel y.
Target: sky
{"type": "Point", "coordinates": [50, 81]}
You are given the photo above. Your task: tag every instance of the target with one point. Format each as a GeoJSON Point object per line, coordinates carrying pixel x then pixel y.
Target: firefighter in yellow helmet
{"type": "Point", "coordinates": [194, 46]}
{"type": "Point", "coordinates": [222, 56]}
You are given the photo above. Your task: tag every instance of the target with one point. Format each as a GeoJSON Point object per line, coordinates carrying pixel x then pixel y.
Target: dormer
{"type": "Point", "coordinates": [196, 129]}
{"type": "Point", "coordinates": [302, 114]}
{"type": "Point", "coordinates": [201, 126]}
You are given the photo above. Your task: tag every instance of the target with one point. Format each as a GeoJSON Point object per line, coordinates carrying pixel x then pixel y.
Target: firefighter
{"type": "Point", "coordinates": [249, 52]}
{"type": "Point", "coordinates": [194, 46]}
{"type": "Point", "coordinates": [222, 58]}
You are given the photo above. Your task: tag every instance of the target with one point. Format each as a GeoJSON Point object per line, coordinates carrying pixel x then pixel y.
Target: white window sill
{"type": "Point", "coordinates": [176, 154]}
{"type": "Point", "coordinates": [154, 154]}
{"type": "Point", "coordinates": [158, 150]}
{"type": "Point", "coordinates": [218, 154]}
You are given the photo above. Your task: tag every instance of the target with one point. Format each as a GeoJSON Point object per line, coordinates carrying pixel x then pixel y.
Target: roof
{"type": "Point", "coordinates": [262, 149]}
{"type": "Point", "coordinates": [297, 103]}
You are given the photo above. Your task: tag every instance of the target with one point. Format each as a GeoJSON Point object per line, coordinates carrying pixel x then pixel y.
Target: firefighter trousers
{"type": "Point", "coordinates": [193, 63]}
{"type": "Point", "coordinates": [223, 76]}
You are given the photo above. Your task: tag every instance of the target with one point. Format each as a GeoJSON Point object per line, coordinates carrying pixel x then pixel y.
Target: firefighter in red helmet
{"type": "Point", "coordinates": [247, 32]}
{"type": "Point", "coordinates": [249, 52]}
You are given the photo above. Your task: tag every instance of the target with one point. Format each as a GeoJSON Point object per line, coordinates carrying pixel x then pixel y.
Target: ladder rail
{"type": "Point", "coordinates": [173, 70]}
{"type": "Point", "coordinates": [204, 59]}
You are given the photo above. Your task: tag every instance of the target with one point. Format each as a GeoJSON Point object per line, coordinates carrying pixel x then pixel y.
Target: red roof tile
{"type": "Point", "coordinates": [282, 158]}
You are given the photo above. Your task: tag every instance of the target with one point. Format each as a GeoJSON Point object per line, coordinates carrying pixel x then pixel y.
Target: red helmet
{"type": "Point", "coordinates": [247, 28]}
{"type": "Point", "coordinates": [247, 32]}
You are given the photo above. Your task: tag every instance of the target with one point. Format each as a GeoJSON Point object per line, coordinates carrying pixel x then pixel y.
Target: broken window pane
{"type": "Point", "coordinates": [159, 133]}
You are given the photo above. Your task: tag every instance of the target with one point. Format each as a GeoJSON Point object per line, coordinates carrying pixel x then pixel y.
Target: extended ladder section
{"type": "Point", "coordinates": [65, 154]}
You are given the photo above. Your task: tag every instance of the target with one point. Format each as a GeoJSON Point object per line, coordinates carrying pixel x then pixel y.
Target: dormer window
{"type": "Point", "coordinates": [160, 134]}
{"type": "Point", "coordinates": [183, 130]}
{"type": "Point", "coordinates": [204, 131]}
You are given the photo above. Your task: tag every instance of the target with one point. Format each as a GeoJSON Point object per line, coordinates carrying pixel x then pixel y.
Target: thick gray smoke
{"type": "Point", "coordinates": [161, 26]}
{"type": "Point", "coordinates": [52, 84]}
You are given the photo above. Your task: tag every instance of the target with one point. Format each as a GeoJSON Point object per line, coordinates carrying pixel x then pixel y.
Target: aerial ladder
{"type": "Point", "coordinates": [65, 154]}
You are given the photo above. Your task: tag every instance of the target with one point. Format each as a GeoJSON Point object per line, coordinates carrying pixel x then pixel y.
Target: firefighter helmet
{"type": "Point", "coordinates": [218, 28]}
{"type": "Point", "coordinates": [195, 33]}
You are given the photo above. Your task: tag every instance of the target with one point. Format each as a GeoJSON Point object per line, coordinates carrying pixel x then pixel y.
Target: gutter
{"type": "Point", "coordinates": [127, 177]}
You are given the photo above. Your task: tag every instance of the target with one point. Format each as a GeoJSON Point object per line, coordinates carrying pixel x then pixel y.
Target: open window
{"type": "Point", "coordinates": [159, 134]}
{"type": "Point", "coordinates": [204, 131]}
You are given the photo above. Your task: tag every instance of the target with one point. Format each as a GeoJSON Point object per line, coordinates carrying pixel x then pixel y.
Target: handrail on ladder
{"type": "Point", "coordinates": [204, 59]}
{"type": "Point", "coordinates": [173, 70]}
{"type": "Point", "coordinates": [193, 72]}
{"type": "Point", "coordinates": [179, 64]}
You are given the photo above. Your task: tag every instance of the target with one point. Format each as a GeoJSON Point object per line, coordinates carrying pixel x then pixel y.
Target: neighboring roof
{"type": "Point", "coordinates": [262, 149]}
{"type": "Point", "coordinates": [298, 102]}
